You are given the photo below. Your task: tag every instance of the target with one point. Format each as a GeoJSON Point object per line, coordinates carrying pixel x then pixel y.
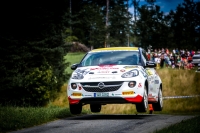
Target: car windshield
{"type": "Point", "coordinates": [111, 58]}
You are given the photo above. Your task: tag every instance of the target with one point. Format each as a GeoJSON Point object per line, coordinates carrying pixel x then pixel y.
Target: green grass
{"type": "Point", "coordinates": [14, 118]}
{"type": "Point", "coordinates": [73, 58]}
{"type": "Point", "coordinates": [186, 126]}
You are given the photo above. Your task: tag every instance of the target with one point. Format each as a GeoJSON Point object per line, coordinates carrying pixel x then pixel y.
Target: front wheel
{"type": "Point", "coordinates": [159, 105]}
{"type": "Point", "coordinates": [75, 108]}
{"type": "Point", "coordinates": [143, 106]}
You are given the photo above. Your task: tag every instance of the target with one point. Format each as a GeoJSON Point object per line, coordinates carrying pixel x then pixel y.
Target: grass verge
{"type": "Point", "coordinates": [14, 118]}
{"type": "Point", "coordinates": [186, 126]}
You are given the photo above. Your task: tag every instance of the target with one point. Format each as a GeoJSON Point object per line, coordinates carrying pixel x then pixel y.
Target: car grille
{"type": "Point", "coordinates": [107, 87]}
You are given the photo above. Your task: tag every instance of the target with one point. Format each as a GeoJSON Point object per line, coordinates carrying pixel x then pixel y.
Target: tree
{"type": "Point", "coordinates": [32, 48]}
{"type": "Point", "coordinates": [151, 27]}
{"type": "Point", "coordinates": [185, 25]}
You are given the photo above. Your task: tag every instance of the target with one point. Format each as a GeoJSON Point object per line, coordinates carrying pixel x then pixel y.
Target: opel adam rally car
{"type": "Point", "coordinates": [114, 75]}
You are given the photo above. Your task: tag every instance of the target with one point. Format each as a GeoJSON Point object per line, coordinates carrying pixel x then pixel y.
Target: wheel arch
{"type": "Point", "coordinates": [147, 86]}
{"type": "Point", "coordinates": [161, 86]}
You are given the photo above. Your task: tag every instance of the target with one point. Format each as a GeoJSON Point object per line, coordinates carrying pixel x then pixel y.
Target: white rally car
{"type": "Point", "coordinates": [114, 75]}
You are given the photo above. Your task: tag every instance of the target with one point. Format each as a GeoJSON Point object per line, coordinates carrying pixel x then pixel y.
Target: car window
{"type": "Point", "coordinates": [111, 58]}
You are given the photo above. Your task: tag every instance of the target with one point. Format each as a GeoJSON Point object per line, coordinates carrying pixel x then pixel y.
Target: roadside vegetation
{"type": "Point", "coordinates": [186, 126]}
{"type": "Point", "coordinates": [175, 83]}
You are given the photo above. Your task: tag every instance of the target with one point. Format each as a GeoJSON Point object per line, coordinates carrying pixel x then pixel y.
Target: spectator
{"type": "Point", "coordinates": [185, 64]}
{"type": "Point", "coordinates": [174, 51]}
{"type": "Point", "coordinates": [149, 56]}
{"type": "Point", "coordinates": [172, 61]}
{"type": "Point", "coordinates": [189, 59]}
{"type": "Point", "coordinates": [167, 61]}
{"type": "Point", "coordinates": [162, 61]}
{"type": "Point", "coordinates": [163, 50]}
{"type": "Point", "coordinates": [167, 51]}
{"type": "Point", "coordinates": [192, 53]}
{"type": "Point", "coordinates": [178, 64]}
{"type": "Point", "coordinates": [177, 51]}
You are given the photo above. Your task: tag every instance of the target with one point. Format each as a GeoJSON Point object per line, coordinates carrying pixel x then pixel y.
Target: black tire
{"type": "Point", "coordinates": [95, 108]}
{"type": "Point", "coordinates": [75, 108]}
{"type": "Point", "coordinates": [143, 106]}
{"type": "Point", "coordinates": [159, 105]}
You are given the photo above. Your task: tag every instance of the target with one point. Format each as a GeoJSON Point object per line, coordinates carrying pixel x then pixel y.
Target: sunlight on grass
{"type": "Point", "coordinates": [73, 58]}
{"type": "Point", "coordinates": [62, 99]}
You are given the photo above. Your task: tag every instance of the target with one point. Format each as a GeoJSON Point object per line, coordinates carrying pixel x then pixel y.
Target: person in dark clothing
{"type": "Point", "coordinates": [172, 62]}
{"type": "Point", "coordinates": [162, 61]}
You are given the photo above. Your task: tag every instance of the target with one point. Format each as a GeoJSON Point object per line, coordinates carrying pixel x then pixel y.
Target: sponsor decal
{"type": "Point", "coordinates": [122, 70]}
{"type": "Point", "coordinates": [127, 93]}
{"type": "Point", "coordinates": [139, 85]}
{"type": "Point", "coordinates": [105, 67]}
{"type": "Point", "coordinates": [87, 95]}
{"type": "Point", "coordinates": [149, 72]}
{"type": "Point", "coordinates": [103, 72]}
{"type": "Point", "coordinates": [130, 67]}
{"type": "Point", "coordinates": [118, 94]}
{"type": "Point", "coordinates": [82, 71]}
{"type": "Point", "coordinates": [150, 78]}
{"type": "Point", "coordinates": [156, 81]}
{"type": "Point", "coordinates": [102, 78]}
{"type": "Point", "coordinates": [76, 94]}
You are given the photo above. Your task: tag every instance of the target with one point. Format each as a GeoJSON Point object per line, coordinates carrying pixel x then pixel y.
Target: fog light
{"type": "Point", "coordinates": [73, 86]}
{"type": "Point", "coordinates": [132, 84]}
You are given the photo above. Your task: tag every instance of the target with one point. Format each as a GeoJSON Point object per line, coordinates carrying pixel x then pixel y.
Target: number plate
{"type": "Point", "coordinates": [101, 94]}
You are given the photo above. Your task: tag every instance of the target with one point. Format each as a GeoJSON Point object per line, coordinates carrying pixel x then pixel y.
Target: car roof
{"type": "Point", "coordinates": [116, 49]}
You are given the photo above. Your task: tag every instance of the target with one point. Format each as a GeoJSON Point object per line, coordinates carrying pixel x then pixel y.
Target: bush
{"type": "Point", "coordinates": [36, 88]}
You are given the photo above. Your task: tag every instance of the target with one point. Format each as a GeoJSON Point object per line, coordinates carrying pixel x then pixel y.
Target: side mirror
{"type": "Point", "coordinates": [74, 66]}
{"type": "Point", "coordinates": [150, 64]}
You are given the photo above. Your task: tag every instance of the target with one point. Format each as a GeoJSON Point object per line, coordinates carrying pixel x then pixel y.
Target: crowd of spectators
{"type": "Point", "coordinates": [175, 58]}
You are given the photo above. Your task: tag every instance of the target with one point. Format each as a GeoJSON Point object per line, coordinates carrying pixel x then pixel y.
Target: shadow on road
{"type": "Point", "coordinates": [109, 117]}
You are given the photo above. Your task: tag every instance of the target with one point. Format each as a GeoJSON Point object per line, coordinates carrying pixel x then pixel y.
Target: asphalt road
{"type": "Point", "coordinates": [107, 124]}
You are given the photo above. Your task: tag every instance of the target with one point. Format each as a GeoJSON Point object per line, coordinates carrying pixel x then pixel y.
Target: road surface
{"type": "Point", "coordinates": [98, 123]}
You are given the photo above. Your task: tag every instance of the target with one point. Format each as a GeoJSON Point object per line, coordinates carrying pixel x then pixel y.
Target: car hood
{"type": "Point", "coordinates": [103, 72]}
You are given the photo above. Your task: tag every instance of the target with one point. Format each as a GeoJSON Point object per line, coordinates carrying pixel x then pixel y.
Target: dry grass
{"type": "Point", "coordinates": [62, 99]}
{"type": "Point", "coordinates": [179, 82]}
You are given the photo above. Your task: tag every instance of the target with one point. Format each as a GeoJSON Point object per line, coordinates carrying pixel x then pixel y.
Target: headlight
{"type": "Point", "coordinates": [129, 74]}
{"type": "Point", "coordinates": [77, 76]}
